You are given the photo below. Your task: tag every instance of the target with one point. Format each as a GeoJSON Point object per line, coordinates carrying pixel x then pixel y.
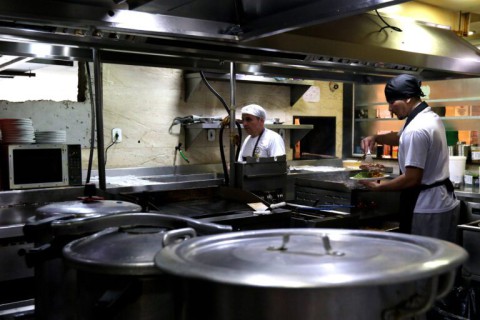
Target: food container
{"type": "Point", "coordinates": [475, 154]}
{"type": "Point", "coordinates": [352, 164]}
{"type": "Point", "coordinates": [471, 178]}
{"type": "Point", "coordinates": [308, 274]}
{"type": "Point", "coordinates": [52, 279]}
{"type": "Point", "coordinates": [457, 169]}
{"type": "Point", "coordinates": [116, 277]}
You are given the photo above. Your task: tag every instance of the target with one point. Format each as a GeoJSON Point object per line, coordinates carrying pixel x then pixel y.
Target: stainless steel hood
{"type": "Point", "coordinates": [329, 40]}
{"type": "Point", "coordinates": [364, 44]}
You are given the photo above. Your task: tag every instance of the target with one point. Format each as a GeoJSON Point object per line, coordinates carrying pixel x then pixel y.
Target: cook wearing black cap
{"type": "Point", "coordinates": [428, 205]}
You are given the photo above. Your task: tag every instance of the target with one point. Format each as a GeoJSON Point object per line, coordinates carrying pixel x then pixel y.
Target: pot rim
{"type": "Point", "coordinates": [438, 257]}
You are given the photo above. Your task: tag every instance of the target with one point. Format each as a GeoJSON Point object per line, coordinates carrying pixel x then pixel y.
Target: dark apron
{"type": "Point", "coordinates": [409, 197]}
{"type": "Point", "coordinates": [255, 146]}
{"type": "Point", "coordinates": [408, 200]}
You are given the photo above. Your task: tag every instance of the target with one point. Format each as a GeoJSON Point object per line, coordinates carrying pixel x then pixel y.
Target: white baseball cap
{"type": "Point", "coordinates": [255, 110]}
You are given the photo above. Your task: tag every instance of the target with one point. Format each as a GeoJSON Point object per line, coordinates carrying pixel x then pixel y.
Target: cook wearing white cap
{"type": "Point", "coordinates": [261, 142]}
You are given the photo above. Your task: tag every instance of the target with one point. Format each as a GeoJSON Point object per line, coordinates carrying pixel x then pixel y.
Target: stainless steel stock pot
{"type": "Point", "coordinates": [310, 274]}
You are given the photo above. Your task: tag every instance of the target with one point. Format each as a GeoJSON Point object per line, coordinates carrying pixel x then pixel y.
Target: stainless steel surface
{"type": "Point", "coordinates": [152, 219]}
{"type": "Point", "coordinates": [233, 117]}
{"type": "Point", "coordinates": [38, 197]}
{"type": "Point", "coordinates": [370, 258]}
{"type": "Point", "coordinates": [203, 19]}
{"type": "Point", "coordinates": [12, 241]}
{"type": "Point", "coordinates": [98, 80]}
{"type": "Point", "coordinates": [122, 257]}
{"type": "Point", "coordinates": [368, 156]}
{"type": "Point", "coordinates": [85, 208]}
{"type": "Point", "coordinates": [53, 281]}
{"type": "Point", "coordinates": [13, 266]}
{"type": "Point", "coordinates": [17, 309]}
{"type": "Point", "coordinates": [376, 275]}
{"type": "Point", "coordinates": [335, 188]}
{"type": "Point", "coordinates": [470, 237]}
{"type": "Point", "coordinates": [272, 37]}
{"type": "Point", "coordinates": [125, 251]}
{"type": "Point", "coordinates": [263, 176]}
{"type": "Point", "coordinates": [471, 210]}
{"type": "Point", "coordinates": [356, 43]}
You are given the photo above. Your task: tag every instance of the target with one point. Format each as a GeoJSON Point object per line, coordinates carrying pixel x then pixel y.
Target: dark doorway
{"type": "Point", "coordinates": [320, 141]}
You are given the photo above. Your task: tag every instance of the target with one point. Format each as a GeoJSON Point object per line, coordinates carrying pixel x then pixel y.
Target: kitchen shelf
{"type": "Point", "coordinates": [373, 125]}
{"type": "Point", "coordinates": [431, 102]}
{"type": "Point", "coordinates": [297, 87]}
{"type": "Point", "coordinates": [297, 132]}
{"type": "Point", "coordinates": [443, 93]}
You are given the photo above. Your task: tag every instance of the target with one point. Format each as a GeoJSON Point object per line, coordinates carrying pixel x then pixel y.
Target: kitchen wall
{"type": "Point", "coordinates": [143, 102]}
{"type": "Point", "coordinates": [423, 12]}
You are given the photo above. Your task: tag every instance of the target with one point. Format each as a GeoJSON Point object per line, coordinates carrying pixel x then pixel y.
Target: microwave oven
{"type": "Point", "coordinates": [27, 166]}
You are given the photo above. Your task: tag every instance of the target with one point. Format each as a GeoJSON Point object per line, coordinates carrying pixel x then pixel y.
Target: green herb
{"type": "Point", "coordinates": [362, 174]}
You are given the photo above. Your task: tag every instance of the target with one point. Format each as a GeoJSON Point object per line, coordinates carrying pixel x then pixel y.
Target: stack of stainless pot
{"type": "Point", "coordinates": [52, 279]}
{"type": "Point", "coordinates": [309, 274]}
{"type": "Point", "coordinates": [116, 274]}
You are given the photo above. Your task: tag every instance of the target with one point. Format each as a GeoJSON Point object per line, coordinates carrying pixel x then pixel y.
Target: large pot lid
{"type": "Point", "coordinates": [125, 250]}
{"type": "Point", "coordinates": [302, 258]}
{"type": "Point", "coordinates": [86, 208]}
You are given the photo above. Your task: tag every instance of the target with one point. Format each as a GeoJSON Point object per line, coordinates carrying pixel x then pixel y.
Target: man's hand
{"type": "Point", "coordinates": [368, 143]}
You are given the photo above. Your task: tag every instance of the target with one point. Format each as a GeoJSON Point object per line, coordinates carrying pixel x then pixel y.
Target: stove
{"type": "Point", "coordinates": [349, 201]}
{"type": "Point", "coordinates": [222, 205]}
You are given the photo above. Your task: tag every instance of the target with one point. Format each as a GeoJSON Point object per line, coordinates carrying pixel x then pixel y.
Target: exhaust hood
{"type": "Point", "coordinates": [363, 44]}
{"type": "Point", "coordinates": [349, 47]}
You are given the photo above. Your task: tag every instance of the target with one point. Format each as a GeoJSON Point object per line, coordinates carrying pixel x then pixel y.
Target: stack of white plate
{"type": "Point", "coordinates": [57, 136]}
{"type": "Point", "coordinates": [17, 131]}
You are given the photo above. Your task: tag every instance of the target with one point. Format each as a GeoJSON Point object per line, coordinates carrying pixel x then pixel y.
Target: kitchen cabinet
{"type": "Point", "coordinates": [297, 87]}
{"type": "Point", "coordinates": [297, 132]}
{"type": "Point", "coordinates": [456, 101]}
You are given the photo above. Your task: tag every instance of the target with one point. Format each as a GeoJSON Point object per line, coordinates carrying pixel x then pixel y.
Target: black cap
{"type": "Point", "coordinates": [402, 87]}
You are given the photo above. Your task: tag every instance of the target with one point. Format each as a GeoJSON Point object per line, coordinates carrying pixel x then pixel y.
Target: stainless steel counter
{"type": "Point", "coordinates": [468, 193]}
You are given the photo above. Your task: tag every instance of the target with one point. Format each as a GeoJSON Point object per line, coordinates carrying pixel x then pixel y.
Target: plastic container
{"type": "Point", "coordinates": [471, 178]}
{"type": "Point", "coordinates": [475, 153]}
{"type": "Point", "coordinates": [457, 168]}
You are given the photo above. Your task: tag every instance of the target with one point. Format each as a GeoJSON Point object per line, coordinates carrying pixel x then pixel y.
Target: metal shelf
{"type": "Point", "coordinates": [297, 87]}
{"type": "Point", "coordinates": [297, 132]}
{"type": "Point", "coordinates": [451, 123]}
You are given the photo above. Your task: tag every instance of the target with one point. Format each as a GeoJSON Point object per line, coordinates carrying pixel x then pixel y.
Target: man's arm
{"type": "Point", "coordinates": [390, 138]}
{"type": "Point", "coordinates": [411, 178]}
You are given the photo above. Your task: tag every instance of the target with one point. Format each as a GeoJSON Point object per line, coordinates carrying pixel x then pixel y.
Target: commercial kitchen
{"type": "Point", "coordinates": [120, 193]}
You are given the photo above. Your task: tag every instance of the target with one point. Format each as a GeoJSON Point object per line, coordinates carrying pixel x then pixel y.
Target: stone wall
{"type": "Point", "coordinates": [143, 102]}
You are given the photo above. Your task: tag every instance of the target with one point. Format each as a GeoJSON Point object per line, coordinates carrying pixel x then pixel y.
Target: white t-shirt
{"type": "Point", "coordinates": [270, 144]}
{"type": "Point", "coordinates": [423, 145]}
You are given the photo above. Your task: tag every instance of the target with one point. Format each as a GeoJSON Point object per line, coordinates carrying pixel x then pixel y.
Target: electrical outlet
{"type": "Point", "coordinates": [116, 135]}
{"type": "Point", "coordinates": [211, 135]}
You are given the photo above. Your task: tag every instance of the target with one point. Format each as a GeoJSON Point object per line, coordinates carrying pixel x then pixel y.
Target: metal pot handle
{"type": "Point", "coordinates": [178, 235]}
{"type": "Point", "coordinates": [36, 229]}
{"type": "Point", "coordinates": [436, 288]}
{"type": "Point", "coordinates": [416, 304]}
{"type": "Point", "coordinates": [445, 283]}
{"type": "Point", "coordinates": [91, 225]}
